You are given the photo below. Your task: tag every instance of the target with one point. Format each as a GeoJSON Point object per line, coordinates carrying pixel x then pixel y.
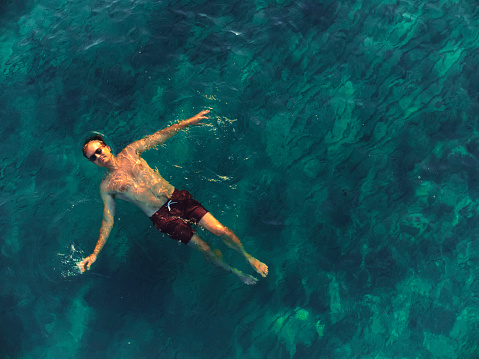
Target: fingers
{"type": "Point", "coordinates": [85, 264]}
{"type": "Point", "coordinates": [203, 113]}
{"type": "Point", "coordinates": [194, 121]}
{"type": "Point", "coordinates": [88, 263]}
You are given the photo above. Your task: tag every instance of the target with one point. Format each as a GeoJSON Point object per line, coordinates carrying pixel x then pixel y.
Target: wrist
{"type": "Point", "coordinates": [185, 123]}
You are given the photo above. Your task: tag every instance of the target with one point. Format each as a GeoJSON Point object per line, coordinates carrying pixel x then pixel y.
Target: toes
{"type": "Point", "coordinates": [260, 267]}
{"type": "Point", "coordinates": [250, 280]}
{"type": "Point", "coordinates": [263, 269]}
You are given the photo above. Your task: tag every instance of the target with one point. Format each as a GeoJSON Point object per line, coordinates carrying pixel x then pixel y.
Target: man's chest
{"type": "Point", "coordinates": [127, 182]}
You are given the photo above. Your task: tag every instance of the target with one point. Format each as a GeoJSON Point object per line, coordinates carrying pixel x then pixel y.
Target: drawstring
{"type": "Point", "coordinates": [170, 202]}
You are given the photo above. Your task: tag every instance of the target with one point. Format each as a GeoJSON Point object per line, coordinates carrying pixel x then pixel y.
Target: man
{"type": "Point", "coordinates": [172, 211]}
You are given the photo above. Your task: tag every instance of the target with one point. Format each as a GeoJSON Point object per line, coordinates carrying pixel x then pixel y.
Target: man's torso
{"type": "Point", "coordinates": [136, 182]}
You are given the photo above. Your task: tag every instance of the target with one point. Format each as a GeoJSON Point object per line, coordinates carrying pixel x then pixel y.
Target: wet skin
{"type": "Point", "coordinates": [131, 178]}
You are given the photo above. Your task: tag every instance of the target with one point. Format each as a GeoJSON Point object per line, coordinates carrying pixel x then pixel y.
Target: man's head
{"type": "Point", "coordinates": [97, 151]}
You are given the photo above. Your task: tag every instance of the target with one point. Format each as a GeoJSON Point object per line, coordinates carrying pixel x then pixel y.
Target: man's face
{"type": "Point", "coordinates": [98, 153]}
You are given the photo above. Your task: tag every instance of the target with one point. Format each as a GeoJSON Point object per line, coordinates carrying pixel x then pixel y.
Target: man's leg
{"type": "Point", "coordinates": [203, 247]}
{"type": "Point", "coordinates": [231, 240]}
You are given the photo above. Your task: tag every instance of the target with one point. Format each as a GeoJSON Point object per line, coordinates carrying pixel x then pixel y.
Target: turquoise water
{"type": "Point", "coordinates": [343, 150]}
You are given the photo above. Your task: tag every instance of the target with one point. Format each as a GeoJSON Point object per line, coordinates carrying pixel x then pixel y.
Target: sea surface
{"type": "Point", "coordinates": [342, 148]}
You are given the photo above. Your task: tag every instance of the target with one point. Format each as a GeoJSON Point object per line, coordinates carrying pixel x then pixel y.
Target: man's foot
{"type": "Point", "coordinates": [245, 278]}
{"type": "Point", "coordinates": [258, 266]}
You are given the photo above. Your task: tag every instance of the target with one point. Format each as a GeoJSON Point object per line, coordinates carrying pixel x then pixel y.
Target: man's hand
{"type": "Point", "coordinates": [86, 263]}
{"type": "Point", "coordinates": [195, 120]}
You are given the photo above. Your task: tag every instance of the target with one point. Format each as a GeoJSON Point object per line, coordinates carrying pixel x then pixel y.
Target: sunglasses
{"type": "Point", "coordinates": [98, 151]}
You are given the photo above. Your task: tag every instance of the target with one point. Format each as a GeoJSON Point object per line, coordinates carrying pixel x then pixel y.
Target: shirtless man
{"type": "Point", "coordinates": [172, 211]}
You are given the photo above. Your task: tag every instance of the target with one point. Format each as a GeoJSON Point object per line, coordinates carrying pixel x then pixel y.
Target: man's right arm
{"type": "Point", "coordinates": [106, 226]}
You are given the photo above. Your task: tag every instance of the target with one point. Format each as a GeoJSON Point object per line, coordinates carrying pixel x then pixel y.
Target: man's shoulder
{"type": "Point", "coordinates": [106, 190]}
{"type": "Point", "coordinates": [127, 155]}
{"type": "Point", "coordinates": [104, 184]}
{"type": "Point", "coordinates": [131, 149]}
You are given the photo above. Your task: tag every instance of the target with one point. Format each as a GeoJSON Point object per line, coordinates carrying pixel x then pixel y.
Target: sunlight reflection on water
{"type": "Point", "coordinates": [69, 260]}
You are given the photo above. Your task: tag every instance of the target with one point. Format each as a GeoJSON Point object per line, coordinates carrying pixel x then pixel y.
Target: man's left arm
{"type": "Point", "coordinates": [161, 136]}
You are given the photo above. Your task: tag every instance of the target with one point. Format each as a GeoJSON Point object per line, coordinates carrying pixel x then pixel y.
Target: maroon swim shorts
{"type": "Point", "coordinates": [177, 215]}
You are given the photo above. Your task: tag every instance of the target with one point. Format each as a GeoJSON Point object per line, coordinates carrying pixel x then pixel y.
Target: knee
{"type": "Point", "coordinates": [220, 230]}
{"type": "Point", "coordinates": [199, 244]}
{"type": "Point", "coordinates": [204, 247]}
